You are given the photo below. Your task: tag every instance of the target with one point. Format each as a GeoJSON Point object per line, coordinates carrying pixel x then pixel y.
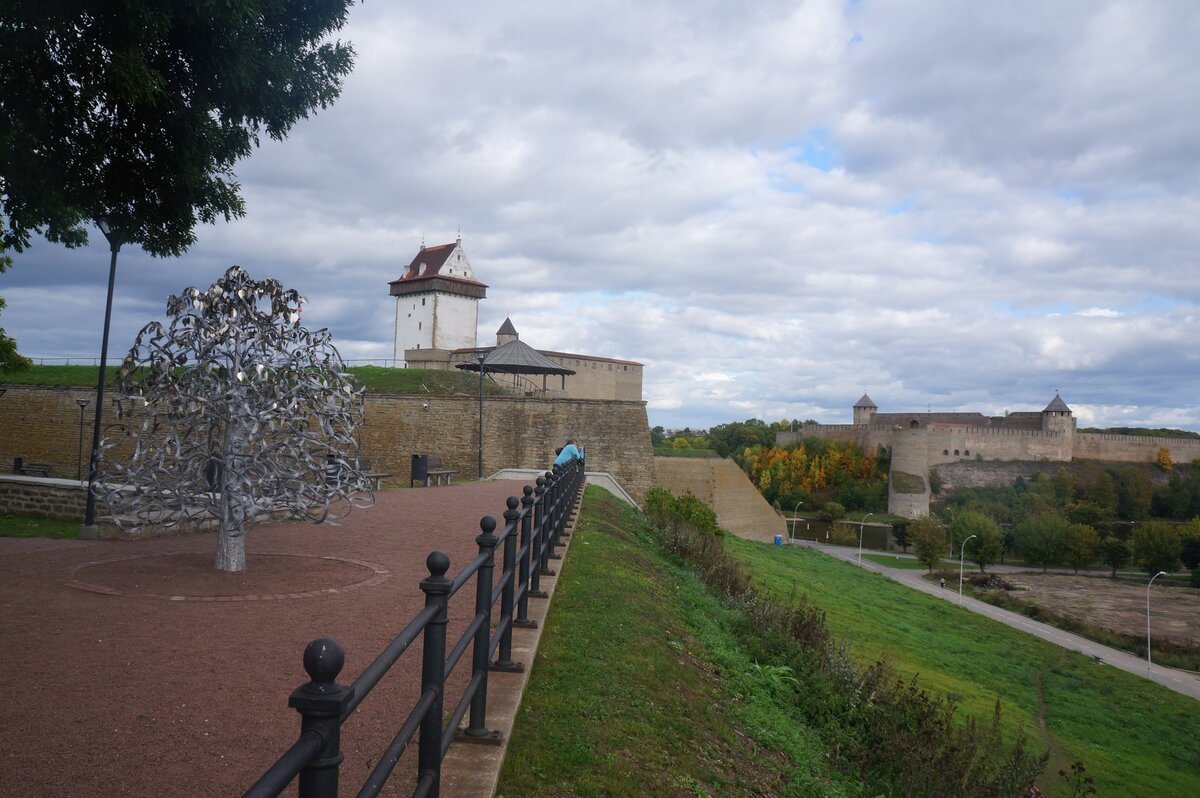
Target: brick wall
{"type": "Point", "coordinates": [41, 424]}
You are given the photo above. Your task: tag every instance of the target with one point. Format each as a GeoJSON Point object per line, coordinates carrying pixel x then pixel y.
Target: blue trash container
{"type": "Point", "coordinates": [779, 540]}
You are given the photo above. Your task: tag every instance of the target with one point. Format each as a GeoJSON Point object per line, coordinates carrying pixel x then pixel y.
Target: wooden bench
{"type": "Point", "coordinates": [433, 470]}
{"type": "Point", "coordinates": [33, 469]}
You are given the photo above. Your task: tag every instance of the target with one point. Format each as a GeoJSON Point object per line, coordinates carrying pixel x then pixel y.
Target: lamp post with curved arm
{"type": "Point", "coordinates": [861, 521]}
{"type": "Point", "coordinates": [1156, 576]}
{"type": "Point", "coordinates": [795, 510]}
{"type": "Point", "coordinates": [962, 550]}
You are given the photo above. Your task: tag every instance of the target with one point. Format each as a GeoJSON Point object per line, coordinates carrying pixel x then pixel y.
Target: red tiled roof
{"type": "Point", "coordinates": [433, 258]}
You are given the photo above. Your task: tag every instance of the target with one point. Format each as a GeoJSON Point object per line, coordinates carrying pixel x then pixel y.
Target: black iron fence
{"type": "Point", "coordinates": [533, 527]}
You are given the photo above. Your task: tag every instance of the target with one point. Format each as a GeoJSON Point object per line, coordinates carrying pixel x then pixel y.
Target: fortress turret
{"type": "Point", "coordinates": [864, 410]}
{"type": "Point", "coordinates": [1057, 417]}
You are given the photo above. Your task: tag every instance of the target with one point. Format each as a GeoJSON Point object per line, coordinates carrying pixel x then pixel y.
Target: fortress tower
{"type": "Point", "coordinates": [437, 301]}
{"type": "Point", "coordinates": [864, 410]}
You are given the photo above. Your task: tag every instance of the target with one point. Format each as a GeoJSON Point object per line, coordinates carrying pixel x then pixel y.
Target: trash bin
{"type": "Point", "coordinates": [779, 540]}
{"type": "Point", "coordinates": [420, 470]}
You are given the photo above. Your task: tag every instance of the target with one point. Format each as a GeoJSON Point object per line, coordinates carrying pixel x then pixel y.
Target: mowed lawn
{"type": "Point", "coordinates": [1135, 737]}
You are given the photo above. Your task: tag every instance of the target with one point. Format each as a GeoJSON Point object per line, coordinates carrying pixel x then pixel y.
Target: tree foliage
{"type": "Point", "coordinates": [234, 412]}
{"type": "Point", "coordinates": [928, 541]}
{"type": "Point", "coordinates": [1114, 552]}
{"type": "Point", "coordinates": [136, 112]}
{"type": "Point", "coordinates": [988, 544]}
{"type": "Point", "coordinates": [1041, 539]}
{"type": "Point", "coordinates": [838, 470]}
{"type": "Point", "coordinates": [1080, 543]}
{"type": "Point", "coordinates": [1157, 547]}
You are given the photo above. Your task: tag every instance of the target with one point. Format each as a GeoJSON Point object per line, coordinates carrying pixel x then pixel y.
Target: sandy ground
{"type": "Point", "coordinates": [1117, 606]}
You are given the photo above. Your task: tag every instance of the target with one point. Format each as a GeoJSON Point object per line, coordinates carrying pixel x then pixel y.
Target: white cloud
{"type": "Point", "coordinates": [773, 206]}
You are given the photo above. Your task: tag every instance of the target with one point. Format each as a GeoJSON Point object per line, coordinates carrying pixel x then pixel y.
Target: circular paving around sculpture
{"type": "Point", "coordinates": [190, 576]}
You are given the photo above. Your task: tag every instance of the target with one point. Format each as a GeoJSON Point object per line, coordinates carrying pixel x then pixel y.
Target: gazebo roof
{"type": "Point", "coordinates": [517, 357]}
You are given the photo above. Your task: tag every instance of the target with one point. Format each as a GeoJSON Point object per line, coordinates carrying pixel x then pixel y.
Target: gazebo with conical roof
{"type": "Point", "coordinates": [518, 358]}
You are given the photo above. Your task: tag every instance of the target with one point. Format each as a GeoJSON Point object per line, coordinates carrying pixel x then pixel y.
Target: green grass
{"type": "Point", "coordinates": [376, 379]}
{"type": "Point", "coordinates": [30, 526]}
{"type": "Point", "coordinates": [892, 561]}
{"type": "Point", "coordinates": [639, 689]}
{"type": "Point", "coordinates": [1134, 736]}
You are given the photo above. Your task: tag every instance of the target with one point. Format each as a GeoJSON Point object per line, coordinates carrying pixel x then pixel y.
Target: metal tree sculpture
{"type": "Point", "coordinates": [234, 412]}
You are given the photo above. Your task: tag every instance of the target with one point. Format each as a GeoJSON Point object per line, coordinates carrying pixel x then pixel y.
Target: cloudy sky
{"type": "Point", "coordinates": [773, 205]}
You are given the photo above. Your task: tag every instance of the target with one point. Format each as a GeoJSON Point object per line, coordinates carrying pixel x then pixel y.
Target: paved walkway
{"type": "Point", "coordinates": [1180, 681]}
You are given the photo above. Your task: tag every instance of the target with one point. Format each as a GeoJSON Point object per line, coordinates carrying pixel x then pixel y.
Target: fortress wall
{"type": "Point", "coordinates": [995, 444]}
{"type": "Point", "coordinates": [1132, 448]}
{"type": "Point", "coordinates": [41, 424]}
{"type": "Point", "coordinates": [868, 436]}
{"type": "Point", "coordinates": [725, 488]}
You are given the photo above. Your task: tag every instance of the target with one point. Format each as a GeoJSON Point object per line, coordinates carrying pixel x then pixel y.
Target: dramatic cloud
{"type": "Point", "coordinates": [956, 205]}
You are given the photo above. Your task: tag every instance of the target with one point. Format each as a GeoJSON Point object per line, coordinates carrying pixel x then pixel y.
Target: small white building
{"type": "Point", "coordinates": [437, 301]}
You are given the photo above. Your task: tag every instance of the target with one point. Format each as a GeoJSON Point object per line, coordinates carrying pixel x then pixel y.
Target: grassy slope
{"type": "Point", "coordinates": [28, 526]}
{"type": "Point", "coordinates": [1135, 737]}
{"type": "Point", "coordinates": [625, 697]}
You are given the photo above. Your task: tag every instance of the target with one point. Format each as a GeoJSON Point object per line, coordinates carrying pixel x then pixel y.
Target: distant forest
{"type": "Point", "coordinates": [1162, 432]}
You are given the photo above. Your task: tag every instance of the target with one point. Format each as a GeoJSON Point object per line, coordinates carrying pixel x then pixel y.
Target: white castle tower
{"type": "Point", "coordinates": [437, 301]}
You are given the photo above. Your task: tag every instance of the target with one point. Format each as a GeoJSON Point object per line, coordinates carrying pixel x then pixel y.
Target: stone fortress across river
{"type": "Point", "coordinates": [920, 441]}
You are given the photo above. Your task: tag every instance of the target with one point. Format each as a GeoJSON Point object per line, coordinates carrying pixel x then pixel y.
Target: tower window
{"type": "Point", "coordinates": [956, 452]}
{"type": "Point", "coordinates": [422, 301]}
{"type": "Point", "coordinates": [966, 452]}
{"type": "Point", "coordinates": [945, 452]}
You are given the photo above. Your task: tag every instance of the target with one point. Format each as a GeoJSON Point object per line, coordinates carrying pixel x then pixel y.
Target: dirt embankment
{"type": "Point", "coordinates": [1003, 473]}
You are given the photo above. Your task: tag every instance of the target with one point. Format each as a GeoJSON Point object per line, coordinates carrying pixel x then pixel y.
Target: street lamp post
{"type": "Point", "coordinates": [962, 550]}
{"type": "Point", "coordinates": [79, 462]}
{"type": "Point", "coordinates": [113, 235]}
{"type": "Point", "coordinates": [480, 357]}
{"type": "Point", "coordinates": [795, 510]}
{"type": "Point", "coordinates": [1156, 576]}
{"type": "Point", "coordinates": [861, 521]}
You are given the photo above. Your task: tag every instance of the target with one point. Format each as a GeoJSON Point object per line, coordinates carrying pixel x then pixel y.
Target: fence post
{"type": "Point", "coordinates": [541, 528]}
{"type": "Point", "coordinates": [557, 511]}
{"type": "Point", "coordinates": [504, 661]}
{"type": "Point", "coordinates": [477, 730]}
{"type": "Point", "coordinates": [320, 704]}
{"type": "Point", "coordinates": [433, 671]}
{"type": "Point", "coordinates": [522, 619]}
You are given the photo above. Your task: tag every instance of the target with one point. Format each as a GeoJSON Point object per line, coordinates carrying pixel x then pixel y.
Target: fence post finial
{"type": "Point", "coordinates": [321, 703]}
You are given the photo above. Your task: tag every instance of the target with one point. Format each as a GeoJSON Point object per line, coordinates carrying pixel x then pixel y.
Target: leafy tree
{"type": "Point", "coordinates": [1114, 552]}
{"type": "Point", "coordinates": [928, 541]}
{"type": "Point", "coordinates": [1157, 547]}
{"type": "Point", "coordinates": [832, 511]}
{"type": "Point", "coordinates": [987, 546]}
{"type": "Point", "coordinates": [10, 358]}
{"type": "Point", "coordinates": [1079, 546]}
{"type": "Point", "coordinates": [658, 436]}
{"type": "Point", "coordinates": [1163, 458]}
{"type": "Point", "coordinates": [1041, 539]}
{"type": "Point", "coordinates": [234, 412]}
{"type": "Point", "coordinates": [1189, 533]}
{"type": "Point", "coordinates": [900, 535]}
{"type": "Point", "coordinates": [135, 113]}
{"type": "Point", "coordinates": [1134, 492]}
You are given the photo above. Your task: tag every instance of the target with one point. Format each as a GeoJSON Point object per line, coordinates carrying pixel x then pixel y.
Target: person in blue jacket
{"type": "Point", "coordinates": [567, 452]}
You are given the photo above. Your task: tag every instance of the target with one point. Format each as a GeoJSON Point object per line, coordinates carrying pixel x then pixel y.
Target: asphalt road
{"type": "Point", "coordinates": [1180, 681]}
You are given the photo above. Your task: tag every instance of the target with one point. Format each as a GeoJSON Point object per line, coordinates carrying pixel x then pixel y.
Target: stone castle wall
{"type": "Point", "coordinates": [725, 488]}
{"type": "Point", "coordinates": [41, 424]}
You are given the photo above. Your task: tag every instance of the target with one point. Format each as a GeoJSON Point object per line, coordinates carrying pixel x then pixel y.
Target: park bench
{"type": "Point", "coordinates": [426, 468]}
{"type": "Point", "coordinates": [31, 469]}
{"type": "Point", "coordinates": [375, 477]}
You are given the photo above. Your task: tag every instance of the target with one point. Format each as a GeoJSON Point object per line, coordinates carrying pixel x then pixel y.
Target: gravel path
{"type": "Point", "coordinates": [137, 670]}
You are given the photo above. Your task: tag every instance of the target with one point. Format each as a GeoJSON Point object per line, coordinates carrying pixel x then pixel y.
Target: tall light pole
{"type": "Point", "coordinates": [79, 462]}
{"type": "Point", "coordinates": [795, 510]}
{"type": "Point", "coordinates": [89, 530]}
{"type": "Point", "coordinates": [962, 550]}
{"type": "Point", "coordinates": [861, 521]}
{"type": "Point", "coordinates": [480, 357]}
{"type": "Point", "coordinates": [1156, 576]}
